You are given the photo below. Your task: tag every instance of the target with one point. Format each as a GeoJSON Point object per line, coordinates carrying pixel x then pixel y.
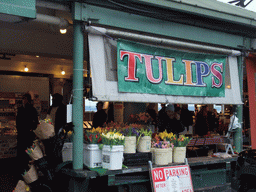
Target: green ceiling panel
{"type": "Point", "coordinates": [23, 8]}
{"type": "Point", "coordinates": [103, 16]}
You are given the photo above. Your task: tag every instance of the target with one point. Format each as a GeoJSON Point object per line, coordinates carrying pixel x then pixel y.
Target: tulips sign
{"type": "Point", "coordinates": [147, 69]}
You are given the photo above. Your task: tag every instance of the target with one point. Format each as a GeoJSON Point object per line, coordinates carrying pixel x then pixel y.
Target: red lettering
{"type": "Point", "coordinates": [186, 171]}
{"type": "Point", "coordinates": [217, 74]}
{"type": "Point", "coordinates": [158, 175]}
{"type": "Point", "coordinates": [131, 64]}
{"type": "Point", "coordinates": [149, 68]}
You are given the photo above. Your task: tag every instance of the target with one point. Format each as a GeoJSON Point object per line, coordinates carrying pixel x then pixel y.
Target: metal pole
{"type": "Point", "coordinates": [238, 139]}
{"type": "Point", "coordinates": [77, 111]}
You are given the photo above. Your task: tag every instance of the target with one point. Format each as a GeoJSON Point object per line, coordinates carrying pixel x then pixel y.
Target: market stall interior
{"type": "Point", "coordinates": [45, 67]}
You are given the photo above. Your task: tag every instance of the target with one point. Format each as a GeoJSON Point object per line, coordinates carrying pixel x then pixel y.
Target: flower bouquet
{"type": "Point", "coordinates": [160, 151]}
{"type": "Point", "coordinates": [30, 175]}
{"type": "Point", "coordinates": [130, 134]}
{"type": "Point", "coordinates": [21, 187]}
{"type": "Point", "coordinates": [144, 140]}
{"type": "Point", "coordinates": [181, 141]}
{"type": "Point", "coordinates": [165, 140]}
{"type": "Point", "coordinates": [180, 144]}
{"type": "Point", "coordinates": [93, 136]}
{"type": "Point", "coordinates": [34, 151]}
{"type": "Point", "coordinates": [113, 138]}
{"type": "Point", "coordinates": [112, 152]}
{"type": "Point", "coordinates": [45, 129]}
{"type": "Point", "coordinates": [92, 151]}
{"type": "Point", "coordinates": [144, 118]}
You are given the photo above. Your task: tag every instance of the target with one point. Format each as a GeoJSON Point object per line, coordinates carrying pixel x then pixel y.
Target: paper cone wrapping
{"type": "Point", "coordinates": [21, 187]}
{"type": "Point", "coordinates": [36, 152]}
{"type": "Point", "coordinates": [31, 175]}
{"type": "Point", "coordinates": [44, 130]}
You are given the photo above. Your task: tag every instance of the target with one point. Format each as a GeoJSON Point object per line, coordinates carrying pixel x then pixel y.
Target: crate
{"type": "Point", "coordinates": [137, 159]}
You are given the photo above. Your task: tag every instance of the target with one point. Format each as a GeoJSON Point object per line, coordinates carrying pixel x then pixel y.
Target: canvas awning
{"type": "Point", "coordinates": [103, 62]}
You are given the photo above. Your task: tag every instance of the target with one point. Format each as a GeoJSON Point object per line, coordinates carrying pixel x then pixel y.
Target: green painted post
{"type": "Point", "coordinates": [78, 95]}
{"type": "Point", "coordinates": [238, 139]}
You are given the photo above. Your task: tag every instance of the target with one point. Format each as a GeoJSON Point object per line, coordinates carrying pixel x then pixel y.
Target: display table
{"type": "Point", "coordinates": [207, 173]}
{"type": "Point", "coordinates": [205, 141]}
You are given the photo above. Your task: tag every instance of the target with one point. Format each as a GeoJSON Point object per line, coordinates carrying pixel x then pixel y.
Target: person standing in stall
{"type": "Point", "coordinates": [162, 119]}
{"type": "Point", "coordinates": [202, 126]}
{"type": "Point", "coordinates": [186, 116]}
{"type": "Point", "coordinates": [58, 114]}
{"type": "Point", "coordinates": [26, 122]}
{"type": "Point", "coordinates": [100, 117]}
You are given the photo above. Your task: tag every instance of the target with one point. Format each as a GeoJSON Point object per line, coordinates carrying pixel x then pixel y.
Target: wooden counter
{"type": "Point", "coordinates": [205, 171]}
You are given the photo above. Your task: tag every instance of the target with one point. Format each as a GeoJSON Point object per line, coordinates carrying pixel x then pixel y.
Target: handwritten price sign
{"type": "Point", "coordinates": [172, 179]}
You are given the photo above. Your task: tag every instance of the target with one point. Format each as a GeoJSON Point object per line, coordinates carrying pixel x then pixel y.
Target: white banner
{"type": "Point", "coordinates": [103, 59]}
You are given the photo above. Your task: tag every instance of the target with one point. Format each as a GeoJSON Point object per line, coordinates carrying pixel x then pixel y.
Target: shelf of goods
{"type": "Point", "coordinates": [9, 103]}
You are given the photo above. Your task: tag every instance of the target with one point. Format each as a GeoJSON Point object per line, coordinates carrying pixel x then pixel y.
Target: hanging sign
{"type": "Point", "coordinates": [172, 179]}
{"type": "Point", "coordinates": [147, 69]}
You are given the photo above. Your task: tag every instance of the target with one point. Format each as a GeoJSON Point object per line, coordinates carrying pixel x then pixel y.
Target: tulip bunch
{"type": "Point", "coordinates": [181, 141]}
{"type": "Point", "coordinates": [93, 136]}
{"type": "Point", "coordinates": [113, 138]}
{"type": "Point", "coordinates": [49, 121]}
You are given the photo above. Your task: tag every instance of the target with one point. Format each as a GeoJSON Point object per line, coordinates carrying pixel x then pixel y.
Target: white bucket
{"type": "Point", "coordinates": [112, 157]}
{"type": "Point", "coordinates": [179, 154]}
{"type": "Point", "coordinates": [161, 157]}
{"type": "Point", "coordinates": [152, 150]}
{"type": "Point", "coordinates": [92, 155]}
{"type": "Point", "coordinates": [144, 145]}
{"type": "Point", "coordinates": [169, 154]}
{"type": "Point", "coordinates": [130, 144]}
{"type": "Point", "coordinates": [67, 154]}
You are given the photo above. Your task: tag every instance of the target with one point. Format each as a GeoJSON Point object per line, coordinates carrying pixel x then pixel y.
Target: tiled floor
{"type": "Point", "coordinates": [8, 174]}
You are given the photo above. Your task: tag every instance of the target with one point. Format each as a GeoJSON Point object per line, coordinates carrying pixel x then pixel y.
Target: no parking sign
{"type": "Point", "coordinates": [172, 179]}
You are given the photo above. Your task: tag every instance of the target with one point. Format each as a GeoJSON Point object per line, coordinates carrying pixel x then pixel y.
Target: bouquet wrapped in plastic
{"type": "Point", "coordinates": [45, 129]}
{"type": "Point", "coordinates": [21, 187]}
{"type": "Point", "coordinates": [31, 175]}
{"type": "Point", "coordinates": [35, 151]}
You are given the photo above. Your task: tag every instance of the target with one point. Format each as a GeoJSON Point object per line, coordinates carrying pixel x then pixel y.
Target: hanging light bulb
{"type": "Point", "coordinates": [63, 31]}
{"type": "Point", "coordinates": [63, 72]}
{"type": "Point", "coordinates": [26, 69]}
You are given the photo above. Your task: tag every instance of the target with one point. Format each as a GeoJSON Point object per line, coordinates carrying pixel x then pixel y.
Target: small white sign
{"type": "Point", "coordinates": [172, 179]}
{"type": "Point", "coordinates": [69, 113]}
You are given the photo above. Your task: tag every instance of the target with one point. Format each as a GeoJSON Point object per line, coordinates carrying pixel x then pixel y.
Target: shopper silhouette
{"type": "Point", "coordinates": [26, 122]}
{"type": "Point", "coordinates": [100, 117]}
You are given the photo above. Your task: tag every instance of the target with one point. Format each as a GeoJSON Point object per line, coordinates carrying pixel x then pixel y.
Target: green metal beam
{"type": "Point", "coordinates": [77, 110]}
{"type": "Point", "coordinates": [200, 9]}
{"type": "Point", "coordinates": [113, 18]}
{"type": "Point", "coordinates": [238, 136]}
{"type": "Point", "coordinates": [24, 8]}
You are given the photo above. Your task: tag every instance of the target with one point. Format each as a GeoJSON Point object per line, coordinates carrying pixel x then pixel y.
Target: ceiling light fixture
{"type": "Point", "coordinates": [63, 31]}
{"type": "Point", "coordinates": [26, 69]}
{"type": "Point", "coordinates": [63, 72]}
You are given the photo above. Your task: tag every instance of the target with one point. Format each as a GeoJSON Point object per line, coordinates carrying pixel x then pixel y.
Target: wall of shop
{"type": "Point", "coordinates": [21, 84]}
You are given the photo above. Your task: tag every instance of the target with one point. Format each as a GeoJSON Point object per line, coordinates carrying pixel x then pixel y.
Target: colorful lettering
{"type": "Point", "coordinates": [170, 73]}
{"type": "Point", "coordinates": [131, 64]}
{"type": "Point", "coordinates": [202, 70]}
{"type": "Point", "coordinates": [149, 67]}
{"type": "Point", "coordinates": [188, 68]}
{"type": "Point", "coordinates": [217, 74]}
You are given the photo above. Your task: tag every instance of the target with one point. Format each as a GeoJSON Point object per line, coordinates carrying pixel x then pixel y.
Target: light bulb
{"type": "Point", "coordinates": [26, 69]}
{"type": "Point", "coordinates": [63, 72]}
{"type": "Point", "coordinates": [63, 31]}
